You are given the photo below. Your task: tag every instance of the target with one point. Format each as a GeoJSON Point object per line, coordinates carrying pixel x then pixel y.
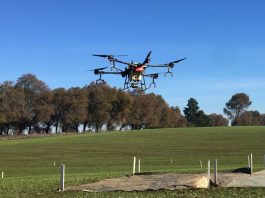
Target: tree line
{"type": "Point", "coordinates": [30, 105]}
{"type": "Point", "coordinates": [235, 109]}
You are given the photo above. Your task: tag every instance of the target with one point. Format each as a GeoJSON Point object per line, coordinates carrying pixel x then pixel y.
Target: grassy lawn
{"type": "Point", "coordinates": [29, 163]}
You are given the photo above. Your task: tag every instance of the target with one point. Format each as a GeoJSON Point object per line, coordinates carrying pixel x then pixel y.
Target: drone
{"type": "Point", "coordinates": [134, 73]}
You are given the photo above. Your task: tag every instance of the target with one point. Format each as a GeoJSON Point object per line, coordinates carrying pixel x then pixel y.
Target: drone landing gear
{"type": "Point", "coordinates": [100, 80]}
{"type": "Point", "coordinates": [168, 72]}
{"type": "Point", "coordinates": [152, 83]}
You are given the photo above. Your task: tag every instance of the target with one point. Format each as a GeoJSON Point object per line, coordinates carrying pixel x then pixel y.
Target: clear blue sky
{"type": "Point", "coordinates": [223, 41]}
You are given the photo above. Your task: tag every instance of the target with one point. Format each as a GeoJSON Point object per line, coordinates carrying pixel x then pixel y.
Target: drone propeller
{"type": "Point", "coordinates": [171, 64]}
{"type": "Point", "coordinates": [98, 69]}
{"type": "Point", "coordinates": [108, 56]}
{"type": "Point", "coordinates": [147, 59]}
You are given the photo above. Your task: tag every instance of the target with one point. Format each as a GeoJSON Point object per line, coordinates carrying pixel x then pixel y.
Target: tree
{"type": "Point", "coordinates": [57, 101]}
{"type": "Point", "coordinates": [121, 105]}
{"type": "Point", "coordinates": [76, 108]}
{"type": "Point", "coordinates": [250, 118]}
{"type": "Point", "coordinates": [236, 106]}
{"type": "Point", "coordinates": [171, 118]}
{"type": "Point", "coordinates": [33, 89]}
{"type": "Point", "coordinates": [45, 111]}
{"type": "Point", "coordinates": [202, 120]}
{"type": "Point", "coordinates": [217, 120]}
{"type": "Point", "coordinates": [262, 118]}
{"type": "Point", "coordinates": [100, 100]}
{"type": "Point", "coordinates": [191, 111]}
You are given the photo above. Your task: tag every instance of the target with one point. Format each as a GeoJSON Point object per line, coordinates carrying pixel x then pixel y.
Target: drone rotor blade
{"type": "Point", "coordinates": [177, 61]}
{"type": "Point", "coordinates": [108, 55]}
{"type": "Point", "coordinates": [98, 69]}
{"type": "Point", "coordinates": [119, 55]}
{"type": "Point", "coordinates": [147, 59]}
{"type": "Point", "coordinates": [101, 55]}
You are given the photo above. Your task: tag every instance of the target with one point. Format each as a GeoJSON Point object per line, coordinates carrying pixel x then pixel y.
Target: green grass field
{"type": "Point", "coordinates": [29, 169]}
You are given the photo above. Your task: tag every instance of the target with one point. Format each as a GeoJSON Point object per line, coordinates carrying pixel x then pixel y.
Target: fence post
{"type": "Point", "coordinates": [134, 163]}
{"type": "Point", "coordinates": [139, 165]}
{"type": "Point", "coordinates": [2, 174]}
{"type": "Point", "coordinates": [209, 172]}
{"type": "Point", "coordinates": [201, 164]}
{"type": "Point", "coordinates": [215, 171]}
{"type": "Point", "coordinates": [251, 164]}
{"type": "Point", "coordinates": [62, 177]}
{"type": "Point", "coordinates": [248, 162]}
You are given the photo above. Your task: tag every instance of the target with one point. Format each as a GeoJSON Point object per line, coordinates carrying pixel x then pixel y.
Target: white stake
{"type": "Point", "coordinates": [209, 172]}
{"type": "Point", "coordinates": [139, 165]}
{"type": "Point", "coordinates": [134, 163]}
{"type": "Point", "coordinates": [171, 161]}
{"type": "Point", "coordinates": [201, 164]}
{"type": "Point", "coordinates": [248, 162]}
{"type": "Point", "coordinates": [62, 177]}
{"type": "Point", "coordinates": [54, 164]}
{"type": "Point", "coordinates": [251, 164]}
{"type": "Point", "coordinates": [2, 174]}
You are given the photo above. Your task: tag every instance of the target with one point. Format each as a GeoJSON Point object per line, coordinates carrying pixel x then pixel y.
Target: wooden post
{"type": "Point", "coordinates": [248, 162]}
{"type": "Point", "coordinates": [2, 174]}
{"type": "Point", "coordinates": [215, 171]}
{"type": "Point", "coordinates": [251, 164]}
{"type": "Point", "coordinates": [134, 163]}
{"type": "Point", "coordinates": [62, 177]}
{"type": "Point", "coordinates": [201, 164]}
{"type": "Point", "coordinates": [209, 172]}
{"type": "Point", "coordinates": [139, 165]}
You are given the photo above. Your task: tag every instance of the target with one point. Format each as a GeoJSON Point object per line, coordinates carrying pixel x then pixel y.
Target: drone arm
{"type": "Point", "coordinates": [125, 63]}
{"type": "Point", "coordinates": [103, 72]}
{"type": "Point", "coordinates": [157, 65]}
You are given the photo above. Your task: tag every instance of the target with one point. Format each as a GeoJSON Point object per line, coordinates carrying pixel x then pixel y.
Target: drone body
{"type": "Point", "coordinates": [134, 73]}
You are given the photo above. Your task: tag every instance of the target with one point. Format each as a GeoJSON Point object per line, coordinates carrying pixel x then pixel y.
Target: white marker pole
{"type": "Point", "coordinates": [62, 177]}
{"type": "Point", "coordinates": [248, 162]}
{"type": "Point", "coordinates": [2, 174]}
{"type": "Point", "coordinates": [209, 172]}
{"type": "Point", "coordinates": [251, 164]}
{"type": "Point", "coordinates": [54, 164]}
{"type": "Point", "coordinates": [201, 164]}
{"type": "Point", "coordinates": [134, 163]}
{"type": "Point", "coordinates": [139, 165]}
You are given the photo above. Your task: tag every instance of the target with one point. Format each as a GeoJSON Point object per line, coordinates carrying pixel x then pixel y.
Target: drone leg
{"type": "Point", "coordinates": [100, 80]}
{"type": "Point", "coordinates": [152, 83]}
{"type": "Point", "coordinates": [168, 72]}
{"type": "Point", "coordinates": [112, 65]}
{"type": "Point", "coordinates": [143, 85]}
{"type": "Point", "coordinates": [125, 83]}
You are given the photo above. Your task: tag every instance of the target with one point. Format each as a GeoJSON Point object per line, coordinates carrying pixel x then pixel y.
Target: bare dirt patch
{"type": "Point", "coordinates": [169, 181]}
{"type": "Point", "coordinates": [172, 181]}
